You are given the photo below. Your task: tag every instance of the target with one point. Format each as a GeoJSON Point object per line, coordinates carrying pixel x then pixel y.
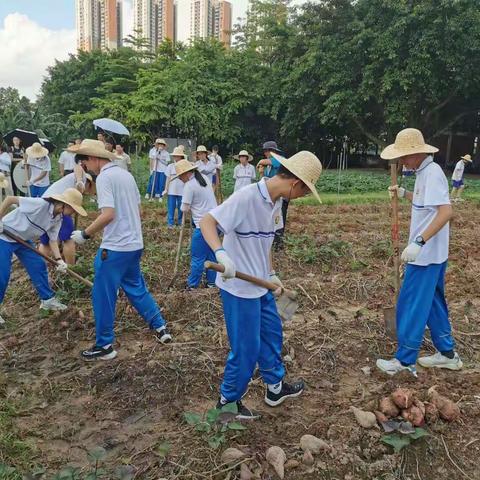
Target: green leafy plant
{"type": "Point", "coordinates": [399, 441]}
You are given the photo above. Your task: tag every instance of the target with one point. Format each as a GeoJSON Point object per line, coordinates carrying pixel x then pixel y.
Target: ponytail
{"type": "Point", "coordinates": [199, 178]}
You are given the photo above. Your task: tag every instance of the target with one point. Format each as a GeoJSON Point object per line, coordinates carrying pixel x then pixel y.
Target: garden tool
{"type": "Point", "coordinates": [19, 240]}
{"type": "Point", "coordinates": [286, 302]}
{"type": "Point", "coordinates": [389, 314]}
{"type": "Point", "coordinates": [179, 249]}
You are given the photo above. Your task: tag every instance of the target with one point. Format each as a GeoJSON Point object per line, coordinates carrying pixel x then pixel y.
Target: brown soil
{"type": "Point", "coordinates": [135, 403]}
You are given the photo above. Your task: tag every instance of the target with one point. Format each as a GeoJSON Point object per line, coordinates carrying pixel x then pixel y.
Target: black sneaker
{"type": "Point", "coordinates": [99, 353]}
{"type": "Point", "coordinates": [289, 390]}
{"type": "Point", "coordinates": [163, 335]}
{"type": "Point", "coordinates": [243, 413]}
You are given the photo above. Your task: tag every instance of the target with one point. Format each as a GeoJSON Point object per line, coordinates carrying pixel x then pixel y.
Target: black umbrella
{"type": "Point", "coordinates": [27, 138]}
{"type": "Point", "coordinates": [48, 144]}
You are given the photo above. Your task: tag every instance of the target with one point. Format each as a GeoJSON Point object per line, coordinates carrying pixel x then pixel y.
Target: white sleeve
{"type": "Point", "coordinates": [54, 231]}
{"type": "Point", "coordinates": [187, 196]}
{"type": "Point", "coordinates": [152, 154]}
{"type": "Point", "coordinates": [231, 212]}
{"type": "Point", "coordinates": [253, 172]}
{"type": "Point", "coordinates": [436, 188]}
{"type": "Point", "coordinates": [48, 166]}
{"type": "Point", "coordinates": [235, 171]}
{"type": "Point", "coordinates": [105, 197]}
{"type": "Point", "coordinates": [61, 159]}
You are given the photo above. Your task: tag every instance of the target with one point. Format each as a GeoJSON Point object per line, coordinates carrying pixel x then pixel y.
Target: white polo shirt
{"type": "Point", "coordinates": [5, 162]}
{"type": "Point", "coordinates": [161, 159]}
{"type": "Point", "coordinates": [37, 166]}
{"type": "Point", "coordinates": [175, 187]}
{"type": "Point", "coordinates": [431, 191]}
{"type": "Point", "coordinates": [58, 187]}
{"type": "Point", "coordinates": [217, 159]}
{"type": "Point", "coordinates": [67, 159]}
{"type": "Point", "coordinates": [249, 220]}
{"type": "Point", "coordinates": [201, 199]}
{"type": "Point", "coordinates": [207, 169]}
{"type": "Point", "coordinates": [243, 175]}
{"type": "Point", "coordinates": [116, 188]}
{"type": "Point", "coordinates": [458, 172]}
{"type": "Point", "coordinates": [32, 218]}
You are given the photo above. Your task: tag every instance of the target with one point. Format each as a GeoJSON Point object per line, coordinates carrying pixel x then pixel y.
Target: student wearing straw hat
{"type": "Point", "coordinates": [33, 218]}
{"type": "Point", "coordinates": [117, 263]}
{"type": "Point", "coordinates": [244, 173]}
{"type": "Point", "coordinates": [40, 167]}
{"type": "Point", "coordinates": [457, 178]}
{"type": "Point", "coordinates": [205, 165]}
{"type": "Point", "coordinates": [159, 160]}
{"type": "Point", "coordinates": [198, 198]}
{"type": "Point", "coordinates": [421, 301]}
{"type": "Point", "coordinates": [248, 220]}
{"type": "Point", "coordinates": [174, 189]}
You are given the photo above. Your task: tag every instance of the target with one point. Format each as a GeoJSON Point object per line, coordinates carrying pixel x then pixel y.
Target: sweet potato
{"type": "Point", "coordinates": [276, 458]}
{"type": "Point", "coordinates": [447, 409]}
{"type": "Point", "coordinates": [381, 417]}
{"type": "Point", "coordinates": [414, 415]}
{"type": "Point", "coordinates": [387, 406]}
{"type": "Point", "coordinates": [364, 419]}
{"type": "Point", "coordinates": [419, 404]}
{"type": "Point", "coordinates": [403, 397]}
{"type": "Point", "coordinates": [431, 412]}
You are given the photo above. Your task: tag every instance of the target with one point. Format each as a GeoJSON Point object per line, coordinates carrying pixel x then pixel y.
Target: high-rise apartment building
{"type": "Point", "coordinates": [222, 22]}
{"type": "Point", "coordinates": [211, 18]}
{"type": "Point", "coordinates": [99, 24]}
{"type": "Point", "coordinates": [154, 20]}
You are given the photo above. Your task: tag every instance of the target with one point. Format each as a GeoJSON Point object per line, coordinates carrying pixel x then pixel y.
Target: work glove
{"type": "Point", "coordinates": [411, 252]}
{"type": "Point", "coordinates": [78, 237]}
{"type": "Point", "coordinates": [395, 188]}
{"type": "Point", "coordinates": [61, 267]}
{"type": "Point", "coordinates": [274, 279]}
{"type": "Point", "coordinates": [164, 193]}
{"type": "Point", "coordinates": [227, 262]}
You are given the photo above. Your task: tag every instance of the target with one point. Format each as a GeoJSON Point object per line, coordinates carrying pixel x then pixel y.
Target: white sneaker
{"type": "Point", "coordinates": [393, 366]}
{"type": "Point", "coordinates": [440, 361]}
{"type": "Point", "coordinates": [147, 196]}
{"type": "Point", "coordinates": [2, 321]}
{"type": "Point", "coordinates": [52, 304]}
{"type": "Point", "coordinates": [160, 199]}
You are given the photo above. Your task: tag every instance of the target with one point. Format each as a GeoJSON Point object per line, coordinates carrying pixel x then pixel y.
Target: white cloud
{"type": "Point", "coordinates": [27, 49]}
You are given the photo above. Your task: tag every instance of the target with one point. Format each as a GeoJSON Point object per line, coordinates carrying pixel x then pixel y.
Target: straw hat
{"type": "Point", "coordinates": [467, 158]}
{"type": "Point", "coordinates": [201, 148]}
{"type": "Point", "coordinates": [73, 198]}
{"type": "Point", "coordinates": [178, 152]}
{"type": "Point", "coordinates": [92, 148]}
{"type": "Point", "coordinates": [408, 142]}
{"type": "Point", "coordinates": [160, 140]}
{"type": "Point", "coordinates": [305, 166]}
{"type": "Point", "coordinates": [183, 166]}
{"type": "Point", "coordinates": [3, 181]}
{"type": "Point", "coordinates": [243, 153]}
{"type": "Point", "coordinates": [36, 151]}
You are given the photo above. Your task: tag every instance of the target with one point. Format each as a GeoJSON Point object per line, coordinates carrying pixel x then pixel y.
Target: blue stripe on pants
{"type": "Point", "coordinates": [200, 252]}
{"type": "Point", "coordinates": [112, 271]}
{"type": "Point", "coordinates": [160, 180]}
{"type": "Point", "coordinates": [255, 334]}
{"type": "Point", "coordinates": [33, 264]}
{"type": "Point", "coordinates": [174, 202]}
{"type": "Point", "coordinates": [422, 302]}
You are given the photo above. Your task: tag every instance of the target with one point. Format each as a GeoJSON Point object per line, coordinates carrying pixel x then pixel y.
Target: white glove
{"type": "Point", "coordinates": [274, 279]}
{"type": "Point", "coordinates": [395, 188]}
{"type": "Point", "coordinates": [61, 267]}
{"type": "Point", "coordinates": [164, 193]}
{"type": "Point", "coordinates": [227, 262]}
{"type": "Point", "coordinates": [77, 237]}
{"type": "Point", "coordinates": [411, 252]}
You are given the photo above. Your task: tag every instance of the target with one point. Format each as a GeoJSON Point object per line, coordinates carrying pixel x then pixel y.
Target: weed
{"type": "Point", "coordinates": [302, 248]}
{"type": "Point", "coordinates": [399, 440]}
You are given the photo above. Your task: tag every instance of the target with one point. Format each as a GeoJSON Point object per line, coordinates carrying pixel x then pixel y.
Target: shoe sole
{"type": "Point", "coordinates": [272, 403]}
{"type": "Point", "coordinates": [459, 366]}
{"type": "Point", "coordinates": [109, 356]}
{"type": "Point", "coordinates": [243, 417]}
{"type": "Point", "coordinates": [168, 339]}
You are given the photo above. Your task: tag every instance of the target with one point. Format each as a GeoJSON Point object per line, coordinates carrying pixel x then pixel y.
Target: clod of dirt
{"type": "Point", "coordinates": [388, 407]}
{"type": "Point", "coordinates": [245, 472]}
{"type": "Point", "coordinates": [403, 397]}
{"type": "Point", "coordinates": [11, 342]}
{"type": "Point", "coordinates": [381, 417]}
{"type": "Point", "coordinates": [308, 458]}
{"type": "Point", "coordinates": [414, 415]}
{"type": "Point", "coordinates": [232, 455]}
{"type": "Point", "coordinates": [364, 419]}
{"type": "Point", "coordinates": [291, 464]}
{"type": "Point", "coordinates": [431, 412]}
{"type": "Point", "coordinates": [64, 324]}
{"type": "Point", "coordinates": [447, 409]}
{"type": "Point", "coordinates": [313, 444]}
{"type": "Point", "coordinates": [276, 457]}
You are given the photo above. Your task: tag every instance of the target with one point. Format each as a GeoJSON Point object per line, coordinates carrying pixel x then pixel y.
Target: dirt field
{"type": "Point", "coordinates": [56, 409]}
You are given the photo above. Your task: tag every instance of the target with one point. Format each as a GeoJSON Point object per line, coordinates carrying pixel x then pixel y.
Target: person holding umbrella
{"type": "Point", "coordinates": [40, 167]}
{"type": "Point", "coordinates": [17, 154]}
{"type": "Point", "coordinates": [159, 160]}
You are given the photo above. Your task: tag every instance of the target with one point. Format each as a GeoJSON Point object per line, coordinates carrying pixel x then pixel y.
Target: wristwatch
{"type": "Point", "coordinates": [420, 241]}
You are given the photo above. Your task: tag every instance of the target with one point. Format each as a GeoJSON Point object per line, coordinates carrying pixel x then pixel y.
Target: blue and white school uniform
{"type": "Point", "coordinates": [249, 219]}
{"type": "Point", "coordinates": [219, 162]}
{"type": "Point", "coordinates": [207, 169]}
{"type": "Point", "coordinates": [117, 263]}
{"type": "Point", "coordinates": [161, 160]}
{"type": "Point", "coordinates": [33, 218]}
{"type": "Point", "coordinates": [67, 159]}
{"type": "Point", "coordinates": [201, 200]}
{"type": "Point", "coordinates": [421, 301]}
{"type": "Point", "coordinates": [244, 175]}
{"type": "Point", "coordinates": [457, 176]}
{"type": "Point", "coordinates": [174, 196]}
{"type": "Point", "coordinates": [36, 167]}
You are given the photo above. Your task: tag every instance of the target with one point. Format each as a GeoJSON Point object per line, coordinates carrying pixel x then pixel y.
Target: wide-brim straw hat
{"type": "Point", "coordinates": [408, 142]}
{"type": "Point", "coordinates": [305, 166]}
{"type": "Point", "coordinates": [243, 153]}
{"type": "Point", "coordinates": [73, 198]}
{"type": "Point", "coordinates": [183, 166]}
{"type": "Point", "coordinates": [92, 148]}
{"type": "Point", "coordinates": [36, 151]}
{"type": "Point", "coordinates": [201, 148]}
{"type": "Point", "coordinates": [467, 158]}
{"type": "Point", "coordinates": [160, 140]}
{"type": "Point", "coordinates": [178, 152]}
{"type": "Point", "coordinates": [3, 181]}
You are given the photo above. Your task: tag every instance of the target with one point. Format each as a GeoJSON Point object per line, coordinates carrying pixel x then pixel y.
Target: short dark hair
{"type": "Point", "coordinates": [79, 157]}
{"type": "Point", "coordinates": [215, 147]}
{"type": "Point", "coordinates": [286, 173]}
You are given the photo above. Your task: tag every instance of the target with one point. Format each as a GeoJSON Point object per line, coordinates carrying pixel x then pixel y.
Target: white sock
{"type": "Point", "coordinates": [223, 400]}
{"type": "Point", "coordinates": [275, 387]}
{"type": "Point", "coordinates": [107, 346]}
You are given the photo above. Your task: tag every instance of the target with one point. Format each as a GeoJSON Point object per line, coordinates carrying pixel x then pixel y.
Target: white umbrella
{"type": "Point", "coordinates": [111, 126]}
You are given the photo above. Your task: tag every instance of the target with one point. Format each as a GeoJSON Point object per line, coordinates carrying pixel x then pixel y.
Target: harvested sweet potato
{"type": "Point", "coordinates": [414, 415]}
{"type": "Point", "coordinates": [387, 406]}
{"type": "Point", "coordinates": [419, 404]}
{"type": "Point", "coordinates": [431, 412]}
{"type": "Point", "coordinates": [364, 419]}
{"type": "Point", "coordinates": [381, 417]}
{"type": "Point", "coordinates": [447, 409]}
{"type": "Point", "coordinates": [403, 397]}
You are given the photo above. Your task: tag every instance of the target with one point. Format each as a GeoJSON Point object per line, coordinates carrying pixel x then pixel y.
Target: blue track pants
{"type": "Point", "coordinates": [255, 334]}
{"type": "Point", "coordinates": [159, 186]}
{"type": "Point", "coordinates": [114, 270]}
{"type": "Point", "coordinates": [37, 192]}
{"type": "Point", "coordinates": [422, 302]}
{"type": "Point", "coordinates": [200, 252]}
{"type": "Point", "coordinates": [33, 264]}
{"type": "Point", "coordinates": [174, 202]}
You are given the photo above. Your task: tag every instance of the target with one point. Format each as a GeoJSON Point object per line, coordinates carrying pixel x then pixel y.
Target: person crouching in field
{"type": "Point", "coordinates": [174, 189]}
{"type": "Point", "coordinates": [457, 178]}
{"type": "Point", "coordinates": [421, 301]}
{"type": "Point", "coordinates": [117, 263]}
{"type": "Point", "coordinates": [249, 219]}
{"type": "Point", "coordinates": [33, 218]}
{"type": "Point", "coordinates": [198, 198]}
{"type": "Point", "coordinates": [244, 173]}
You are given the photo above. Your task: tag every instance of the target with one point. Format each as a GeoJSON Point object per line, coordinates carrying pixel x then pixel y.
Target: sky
{"type": "Point", "coordinates": [35, 33]}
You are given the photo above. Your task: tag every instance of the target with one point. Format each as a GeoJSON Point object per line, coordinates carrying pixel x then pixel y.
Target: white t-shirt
{"type": "Point", "coordinates": [32, 218]}
{"type": "Point", "coordinates": [37, 166]}
{"type": "Point", "coordinates": [123, 160]}
{"type": "Point", "coordinates": [161, 159]}
{"type": "Point", "coordinates": [58, 187]}
{"type": "Point", "coordinates": [217, 159]}
{"type": "Point", "coordinates": [67, 159]}
{"type": "Point", "coordinates": [201, 199]}
{"type": "Point", "coordinates": [116, 188]}
{"type": "Point", "coordinates": [5, 162]}
{"type": "Point", "coordinates": [207, 169]}
{"type": "Point", "coordinates": [249, 220]}
{"type": "Point", "coordinates": [243, 175]}
{"type": "Point", "coordinates": [175, 187]}
{"type": "Point", "coordinates": [458, 172]}
{"type": "Point", "coordinates": [431, 191]}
